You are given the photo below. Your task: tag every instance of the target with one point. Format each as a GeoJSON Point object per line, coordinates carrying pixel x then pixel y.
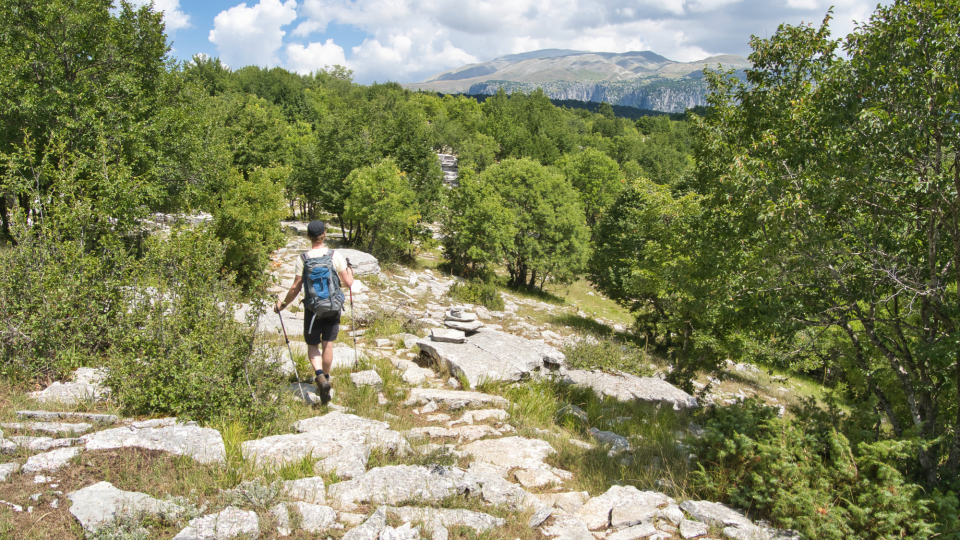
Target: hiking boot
{"type": "Point", "coordinates": [323, 388]}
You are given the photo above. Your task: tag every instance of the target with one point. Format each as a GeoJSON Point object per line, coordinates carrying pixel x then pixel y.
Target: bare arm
{"type": "Point", "coordinates": [292, 293]}
{"type": "Point", "coordinates": [346, 277]}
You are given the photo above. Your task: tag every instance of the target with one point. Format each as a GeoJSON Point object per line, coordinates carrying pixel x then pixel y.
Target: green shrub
{"type": "Point", "coordinates": [57, 304]}
{"type": "Point", "coordinates": [803, 474]}
{"type": "Point", "coordinates": [477, 292]}
{"type": "Point", "coordinates": [608, 354]}
{"type": "Point", "coordinates": [180, 351]}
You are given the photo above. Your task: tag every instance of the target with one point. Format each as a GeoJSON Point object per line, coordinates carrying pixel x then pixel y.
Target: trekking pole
{"type": "Point", "coordinates": [289, 350]}
{"type": "Point", "coordinates": [353, 323]}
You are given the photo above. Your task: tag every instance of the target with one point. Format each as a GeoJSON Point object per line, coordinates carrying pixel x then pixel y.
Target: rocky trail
{"type": "Point", "coordinates": [441, 450]}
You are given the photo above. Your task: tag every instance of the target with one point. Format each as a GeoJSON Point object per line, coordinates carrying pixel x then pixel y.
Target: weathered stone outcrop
{"type": "Point", "coordinates": [101, 503]}
{"type": "Point", "coordinates": [626, 387]}
{"type": "Point", "coordinates": [494, 356]}
{"type": "Point", "coordinates": [202, 444]}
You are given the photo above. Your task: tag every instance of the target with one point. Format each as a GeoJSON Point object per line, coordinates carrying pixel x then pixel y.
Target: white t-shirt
{"type": "Point", "coordinates": [339, 263]}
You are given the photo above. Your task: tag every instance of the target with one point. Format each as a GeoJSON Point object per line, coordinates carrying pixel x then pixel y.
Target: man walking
{"type": "Point", "coordinates": [319, 332]}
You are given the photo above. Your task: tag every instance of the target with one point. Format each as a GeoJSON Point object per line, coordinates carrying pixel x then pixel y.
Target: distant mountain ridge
{"type": "Point", "coordinates": [642, 79]}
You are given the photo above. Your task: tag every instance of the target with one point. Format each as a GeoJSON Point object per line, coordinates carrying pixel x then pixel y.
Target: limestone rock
{"type": "Point", "coordinates": [645, 530]}
{"type": "Point", "coordinates": [693, 529]}
{"type": "Point", "coordinates": [282, 361]}
{"type": "Point", "coordinates": [309, 490]}
{"type": "Point", "coordinates": [567, 527]}
{"type": "Point", "coordinates": [493, 355]}
{"type": "Point", "coordinates": [596, 512]}
{"type": "Point", "coordinates": [445, 335]}
{"type": "Point", "coordinates": [403, 532]}
{"type": "Point", "coordinates": [471, 417]}
{"type": "Point", "coordinates": [458, 315]}
{"type": "Point", "coordinates": [535, 478]}
{"type": "Point", "coordinates": [323, 436]}
{"type": "Point", "coordinates": [56, 428]}
{"type": "Point", "coordinates": [472, 433]}
{"type": "Point", "coordinates": [228, 524]}
{"type": "Point", "coordinates": [572, 411]}
{"type": "Point", "coordinates": [202, 444]}
{"type": "Point", "coordinates": [344, 357]}
{"type": "Point", "coordinates": [99, 504]}
{"type": "Point", "coordinates": [453, 399]}
{"type": "Point", "coordinates": [715, 514]}
{"type": "Point", "coordinates": [350, 462]}
{"type": "Point", "coordinates": [50, 416]}
{"type": "Point", "coordinates": [510, 452]}
{"type": "Point", "coordinates": [50, 461]}
{"type": "Point", "coordinates": [617, 443]}
{"type": "Point", "coordinates": [466, 327]}
{"type": "Point", "coordinates": [7, 469]}
{"type": "Point", "coordinates": [477, 521]}
{"type": "Point", "coordinates": [673, 513]}
{"type": "Point", "coordinates": [400, 483]}
{"type": "Point", "coordinates": [569, 502]}
{"type": "Point", "coordinates": [315, 518]}
{"type": "Point", "coordinates": [628, 515]}
{"type": "Point", "coordinates": [369, 377]}
{"type": "Point", "coordinates": [305, 392]}
{"type": "Point", "coordinates": [363, 264]}
{"type": "Point", "coordinates": [87, 385]}
{"type": "Point", "coordinates": [626, 387]}
{"type": "Point", "coordinates": [7, 447]}
{"type": "Point", "coordinates": [370, 530]}
{"type": "Point", "coordinates": [42, 444]}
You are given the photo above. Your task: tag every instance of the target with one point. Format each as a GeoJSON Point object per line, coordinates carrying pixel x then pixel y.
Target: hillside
{"type": "Point", "coordinates": [641, 79]}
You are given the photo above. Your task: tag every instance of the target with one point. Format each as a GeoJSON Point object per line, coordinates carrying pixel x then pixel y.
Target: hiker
{"type": "Point", "coordinates": [322, 271]}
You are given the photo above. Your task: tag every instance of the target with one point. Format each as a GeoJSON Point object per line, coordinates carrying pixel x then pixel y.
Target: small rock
{"type": "Point", "coordinates": [383, 342]}
{"type": "Point", "coordinates": [309, 490]}
{"type": "Point", "coordinates": [535, 478]}
{"type": "Point", "coordinates": [351, 519]}
{"type": "Point", "coordinates": [86, 386]}
{"type": "Point", "coordinates": [381, 399]}
{"type": "Point", "coordinates": [540, 516]}
{"type": "Point", "coordinates": [50, 461]}
{"type": "Point", "coordinates": [693, 529]}
{"type": "Point", "coordinates": [569, 502]}
{"type": "Point", "coordinates": [567, 527]}
{"type": "Point", "coordinates": [466, 327]}
{"type": "Point", "coordinates": [445, 335]}
{"type": "Point", "coordinates": [99, 504]}
{"type": "Point", "coordinates": [617, 443]}
{"type": "Point", "coordinates": [645, 530]}
{"type": "Point", "coordinates": [50, 416]}
{"type": "Point", "coordinates": [43, 444]}
{"type": "Point", "coordinates": [459, 315]}
{"type": "Point", "coordinates": [453, 383]}
{"type": "Point", "coordinates": [399, 483]}
{"type": "Point", "coordinates": [228, 524]}
{"type": "Point", "coordinates": [430, 407]}
{"type": "Point", "coordinates": [629, 515]}
{"type": "Point", "coordinates": [454, 399]}
{"type": "Point", "coordinates": [370, 530]}
{"type": "Point", "coordinates": [350, 462]}
{"type": "Point", "coordinates": [7, 469]}
{"type": "Point", "coordinates": [56, 428]}
{"type": "Point", "coordinates": [582, 444]}
{"type": "Point", "coordinates": [574, 412]}
{"type": "Point", "coordinates": [367, 378]}
{"type": "Point", "coordinates": [202, 444]}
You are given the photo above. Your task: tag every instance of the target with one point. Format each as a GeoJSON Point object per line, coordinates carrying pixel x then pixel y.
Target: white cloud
{"type": "Point", "coordinates": [314, 56]}
{"type": "Point", "coordinates": [173, 18]}
{"type": "Point", "coordinates": [409, 40]}
{"type": "Point", "coordinates": [252, 35]}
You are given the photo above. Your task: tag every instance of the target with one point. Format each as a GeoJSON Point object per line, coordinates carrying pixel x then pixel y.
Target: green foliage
{"type": "Point", "coordinates": [804, 474]}
{"type": "Point", "coordinates": [479, 229]}
{"type": "Point", "coordinates": [596, 177]}
{"type": "Point", "coordinates": [608, 354]}
{"type": "Point", "coordinates": [179, 350]}
{"type": "Point", "coordinates": [551, 236]}
{"type": "Point", "coordinates": [382, 209]}
{"type": "Point", "coordinates": [247, 220]}
{"type": "Point", "coordinates": [477, 292]}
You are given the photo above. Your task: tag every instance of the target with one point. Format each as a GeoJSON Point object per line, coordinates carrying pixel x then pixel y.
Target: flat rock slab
{"type": "Point", "coordinates": [369, 377]}
{"type": "Point", "coordinates": [51, 416]}
{"type": "Point", "coordinates": [86, 385]}
{"type": "Point", "coordinates": [471, 417]}
{"type": "Point", "coordinates": [323, 436]}
{"type": "Point", "coordinates": [99, 504]}
{"type": "Point", "coordinates": [309, 490]}
{"type": "Point", "coordinates": [400, 483]}
{"type": "Point", "coordinates": [569, 502]}
{"type": "Point", "coordinates": [617, 443]}
{"type": "Point", "coordinates": [314, 518]}
{"type": "Point", "coordinates": [636, 532]}
{"type": "Point", "coordinates": [7, 447]}
{"type": "Point", "coordinates": [596, 512]}
{"type": "Point", "coordinates": [226, 525]}
{"type": "Point", "coordinates": [202, 444]}
{"type": "Point", "coordinates": [493, 355]}
{"type": "Point", "coordinates": [53, 460]}
{"type": "Point", "coordinates": [57, 428]}
{"type": "Point", "coordinates": [693, 529]}
{"type": "Point", "coordinates": [350, 462]}
{"type": "Point", "coordinates": [448, 335]}
{"type": "Point", "coordinates": [715, 514]}
{"type": "Point", "coordinates": [625, 387]}
{"type": "Point", "coordinates": [511, 452]}
{"type": "Point", "coordinates": [7, 469]}
{"type": "Point", "coordinates": [466, 327]}
{"type": "Point", "coordinates": [43, 444]}
{"type": "Point", "coordinates": [371, 528]}
{"type": "Point", "coordinates": [453, 399]}
{"type": "Point", "coordinates": [566, 527]}
{"type": "Point", "coordinates": [363, 264]}
{"type": "Point", "coordinates": [477, 521]}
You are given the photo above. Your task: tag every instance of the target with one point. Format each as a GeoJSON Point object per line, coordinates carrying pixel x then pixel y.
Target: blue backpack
{"type": "Point", "coordinates": [322, 295]}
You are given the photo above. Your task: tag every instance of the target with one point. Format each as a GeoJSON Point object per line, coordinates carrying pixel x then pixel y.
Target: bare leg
{"type": "Point", "coordinates": [313, 352]}
{"type": "Point", "coordinates": [327, 356]}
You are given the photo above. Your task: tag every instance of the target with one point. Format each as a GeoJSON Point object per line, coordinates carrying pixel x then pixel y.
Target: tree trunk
{"type": "Point", "coordinates": [4, 219]}
{"type": "Point", "coordinates": [533, 279]}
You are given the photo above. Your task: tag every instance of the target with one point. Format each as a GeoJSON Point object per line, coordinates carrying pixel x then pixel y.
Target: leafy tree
{"type": "Point", "coordinates": [382, 209]}
{"type": "Point", "coordinates": [551, 236]}
{"type": "Point", "coordinates": [479, 229]}
{"type": "Point", "coordinates": [596, 177]}
{"type": "Point", "coordinates": [829, 180]}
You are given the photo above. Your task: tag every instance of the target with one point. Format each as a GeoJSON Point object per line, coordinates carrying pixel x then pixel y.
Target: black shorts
{"type": "Point", "coordinates": [325, 329]}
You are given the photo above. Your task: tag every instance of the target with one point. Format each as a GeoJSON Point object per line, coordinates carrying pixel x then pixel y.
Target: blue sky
{"type": "Point", "coordinates": [409, 40]}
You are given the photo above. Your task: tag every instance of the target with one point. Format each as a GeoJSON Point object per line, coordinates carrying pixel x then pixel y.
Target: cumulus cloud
{"type": "Point", "coordinates": [314, 56]}
{"type": "Point", "coordinates": [173, 17]}
{"type": "Point", "coordinates": [252, 35]}
{"type": "Point", "coordinates": [409, 40]}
